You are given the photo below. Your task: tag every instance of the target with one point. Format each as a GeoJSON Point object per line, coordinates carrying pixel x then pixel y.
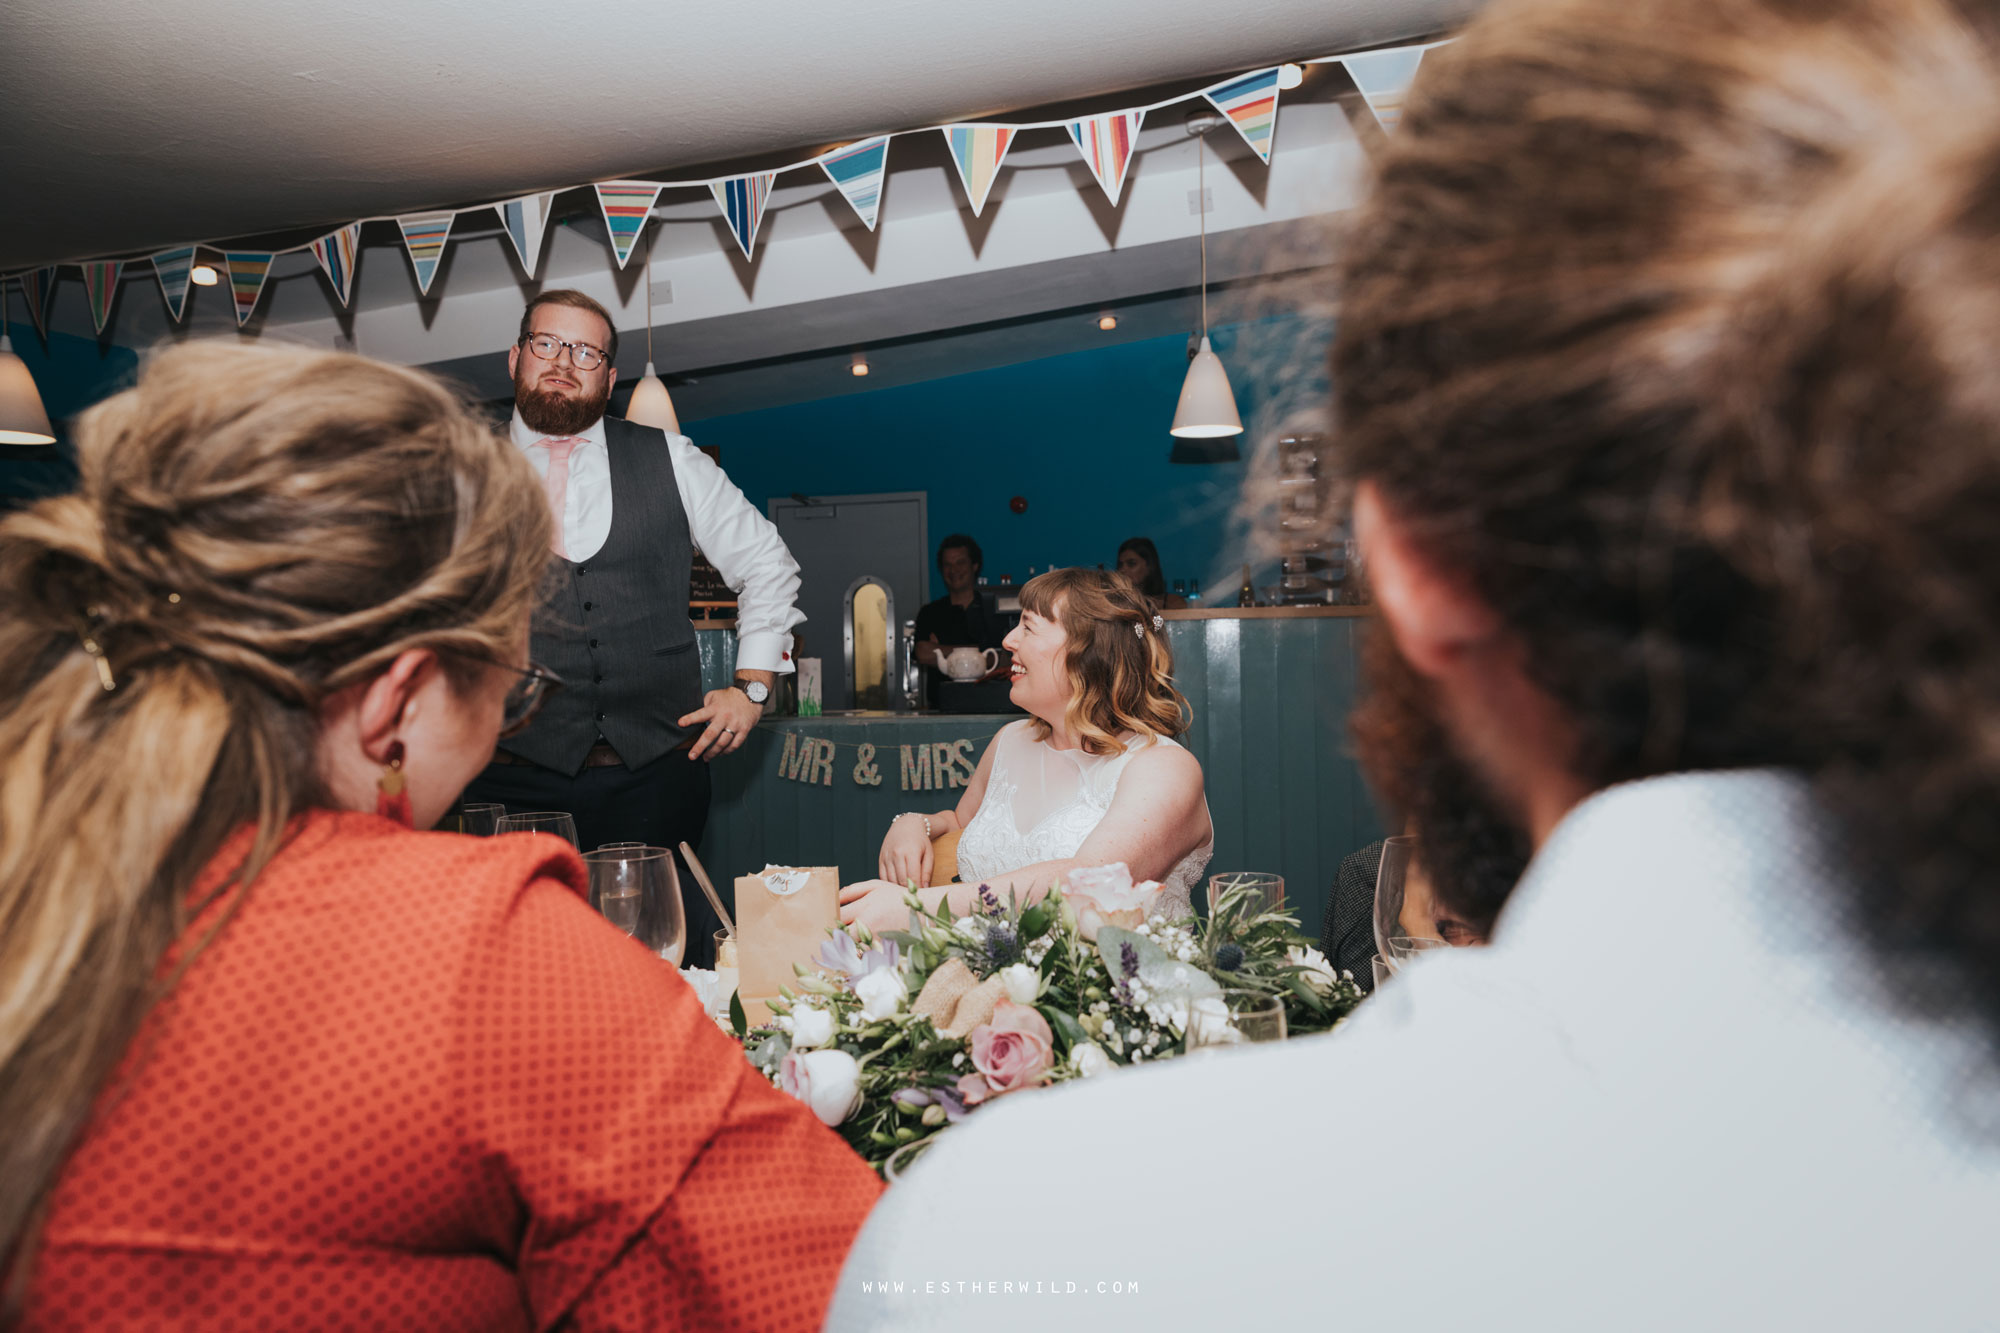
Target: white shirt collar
{"type": "Point", "coordinates": [525, 436]}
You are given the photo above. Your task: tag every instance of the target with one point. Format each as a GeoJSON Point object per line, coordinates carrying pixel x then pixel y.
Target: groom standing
{"type": "Point", "coordinates": [624, 747]}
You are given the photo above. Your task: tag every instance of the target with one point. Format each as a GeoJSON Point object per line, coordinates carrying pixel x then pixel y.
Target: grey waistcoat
{"type": "Point", "coordinates": [615, 627]}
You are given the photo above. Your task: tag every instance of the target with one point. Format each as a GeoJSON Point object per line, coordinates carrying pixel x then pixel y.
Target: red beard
{"type": "Point", "coordinates": [550, 412]}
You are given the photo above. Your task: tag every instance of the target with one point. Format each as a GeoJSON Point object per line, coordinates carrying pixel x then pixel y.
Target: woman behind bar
{"type": "Point", "coordinates": [268, 1055]}
{"type": "Point", "coordinates": [1139, 562]}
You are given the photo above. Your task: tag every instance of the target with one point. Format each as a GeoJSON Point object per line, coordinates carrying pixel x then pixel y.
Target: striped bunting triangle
{"type": "Point", "coordinates": [335, 252]}
{"type": "Point", "coordinates": [742, 200]}
{"type": "Point", "coordinates": [424, 236]}
{"type": "Point", "coordinates": [247, 271]}
{"type": "Point", "coordinates": [1384, 78]}
{"type": "Point", "coordinates": [100, 280]}
{"type": "Point", "coordinates": [857, 171]}
{"type": "Point", "coordinates": [1251, 103]}
{"type": "Point", "coordinates": [977, 151]}
{"type": "Point", "coordinates": [525, 220]}
{"type": "Point", "coordinates": [38, 286]}
{"type": "Point", "coordinates": [626, 205]}
{"type": "Point", "coordinates": [172, 267]}
{"type": "Point", "coordinates": [1106, 143]}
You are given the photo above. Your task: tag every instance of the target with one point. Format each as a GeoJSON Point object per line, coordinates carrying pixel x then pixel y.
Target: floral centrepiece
{"type": "Point", "coordinates": [892, 1040]}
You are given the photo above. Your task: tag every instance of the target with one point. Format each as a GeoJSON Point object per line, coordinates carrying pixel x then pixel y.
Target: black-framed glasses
{"type": "Point", "coordinates": [581, 355]}
{"type": "Point", "coordinates": [526, 698]}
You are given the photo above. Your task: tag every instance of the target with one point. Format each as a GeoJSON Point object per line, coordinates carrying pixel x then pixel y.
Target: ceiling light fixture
{"type": "Point", "coordinates": [204, 275]}
{"type": "Point", "coordinates": [1207, 407]}
{"type": "Point", "coordinates": [1107, 322]}
{"type": "Point", "coordinates": [23, 419]}
{"type": "Point", "coordinates": [860, 367]}
{"type": "Point", "coordinates": [651, 404]}
{"type": "Point", "coordinates": [1290, 76]}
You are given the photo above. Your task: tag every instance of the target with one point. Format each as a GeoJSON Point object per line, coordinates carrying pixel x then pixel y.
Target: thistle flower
{"type": "Point", "coordinates": [1229, 957]}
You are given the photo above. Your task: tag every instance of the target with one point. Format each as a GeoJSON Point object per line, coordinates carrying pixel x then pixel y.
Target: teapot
{"type": "Point", "coordinates": [968, 663]}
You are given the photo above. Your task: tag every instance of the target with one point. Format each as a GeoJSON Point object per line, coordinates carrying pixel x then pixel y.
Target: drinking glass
{"type": "Point", "coordinates": [481, 820]}
{"type": "Point", "coordinates": [1235, 1018]}
{"type": "Point", "coordinates": [547, 823]}
{"type": "Point", "coordinates": [1402, 948]}
{"type": "Point", "coordinates": [638, 890]}
{"type": "Point", "coordinates": [618, 846]}
{"type": "Point", "coordinates": [1266, 891]}
{"type": "Point", "coordinates": [726, 973]}
{"type": "Point", "coordinates": [1390, 882]}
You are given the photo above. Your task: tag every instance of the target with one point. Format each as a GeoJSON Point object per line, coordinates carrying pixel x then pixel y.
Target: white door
{"type": "Point", "coordinates": [841, 542]}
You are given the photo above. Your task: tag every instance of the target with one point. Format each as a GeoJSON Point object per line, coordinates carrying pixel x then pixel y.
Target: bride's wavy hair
{"type": "Point", "coordinates": [1121, 672]}
{"type": "Point", "coordinates": [257, 528]}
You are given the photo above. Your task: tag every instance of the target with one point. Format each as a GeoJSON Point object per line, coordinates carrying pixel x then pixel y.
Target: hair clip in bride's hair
{"type": "Point", "coordinates": [1159, 622]}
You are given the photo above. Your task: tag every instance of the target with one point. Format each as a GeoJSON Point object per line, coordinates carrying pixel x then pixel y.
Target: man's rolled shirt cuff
{"type": "Point", "coordinates": [764, 650]}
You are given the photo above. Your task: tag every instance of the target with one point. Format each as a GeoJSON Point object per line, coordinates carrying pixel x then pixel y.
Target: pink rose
{"type": "Point", "coordinates": [1106, 896]}
{"type": "Point", "coordinates": [1014, 1048]}
{"type": "Point", "coordinates": [972, 1089]}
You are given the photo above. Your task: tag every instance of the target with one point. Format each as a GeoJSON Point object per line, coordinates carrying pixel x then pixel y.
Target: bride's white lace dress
{"type": "Point", "coordinates": [1041, 803]}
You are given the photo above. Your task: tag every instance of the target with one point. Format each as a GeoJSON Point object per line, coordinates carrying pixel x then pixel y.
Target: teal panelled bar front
{"type": "Point", "coordinates": [1270, 693]}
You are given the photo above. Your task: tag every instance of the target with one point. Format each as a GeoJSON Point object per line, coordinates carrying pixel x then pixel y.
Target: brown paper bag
{"type": "Point", "coordinates": [782, 916]}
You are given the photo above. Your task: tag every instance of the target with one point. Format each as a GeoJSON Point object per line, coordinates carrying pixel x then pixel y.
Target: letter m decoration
{"type": "Point", "coordinates": [916, 767]}
{"type": "Point", "coordinates": [796, 758]}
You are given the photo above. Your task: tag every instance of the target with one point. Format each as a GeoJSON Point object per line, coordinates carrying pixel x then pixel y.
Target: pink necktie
{"type": "Point", "coordinates": [556, 483]}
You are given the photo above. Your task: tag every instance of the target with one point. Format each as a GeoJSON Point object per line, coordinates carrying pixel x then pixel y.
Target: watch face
{"type": "Point", "coordinates": [756, 689]}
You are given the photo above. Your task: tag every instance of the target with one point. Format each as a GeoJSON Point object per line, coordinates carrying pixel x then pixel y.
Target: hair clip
{"type": "Point", "coordinates": [95, 649]}
{"type": "Point", "coordinates": [1140, 629]}
{"type": "Point", "coordinates": [1159, 621]}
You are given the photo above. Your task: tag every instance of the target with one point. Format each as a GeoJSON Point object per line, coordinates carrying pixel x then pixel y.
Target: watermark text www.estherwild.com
{"type": "Point", "coordinates": [983, 1287]}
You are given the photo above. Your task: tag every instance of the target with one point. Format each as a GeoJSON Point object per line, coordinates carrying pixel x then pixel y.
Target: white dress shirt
{"type": "Point", "coordinates": [741, 543]}
{"type": "Point", "coordinates": [1667, 1097]}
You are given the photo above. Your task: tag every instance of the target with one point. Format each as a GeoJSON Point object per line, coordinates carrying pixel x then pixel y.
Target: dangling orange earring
{"type": "Point", "coordinates": [392, 797]}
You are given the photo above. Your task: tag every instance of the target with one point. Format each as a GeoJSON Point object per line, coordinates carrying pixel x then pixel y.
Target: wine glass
{"type": "Point", "coordinates": [1402, 948]}
{"type": "Point", "coordinates": [638, 890]}
{"type": "Point", "coordinates": [546, 823]}
{"type": "Point", "coordinates": [481, 819]}
{"type": "Point", "coordinates": [1402, 920]}
{"type": "Point", "coordinates": [618, 846]}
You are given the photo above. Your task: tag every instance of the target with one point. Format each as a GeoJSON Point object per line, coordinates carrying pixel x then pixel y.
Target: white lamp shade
{"type": "Point", "coordinates": [23, 419]}
{"type": "Point", "coordinates": [1207, 408]}
{"type": "Point", "coordinates": [651, 405]}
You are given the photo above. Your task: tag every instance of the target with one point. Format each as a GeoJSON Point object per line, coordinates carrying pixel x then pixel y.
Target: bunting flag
{"type": "Point", "coordinates": [38, 286]}
{"type": "Point", "coordinates": [1106, 143]}
{"type": "Point", "coordinates": [626, 205]}
{"type": "Point", "coordinates": [335, 252]}
{"type": "Point", "coordinates": [247, 270]}
{"type": "Point", "coordinates": [857, 171]}
{"type": "Point", "coordinates": [172, 267]}
{"type": "Point", "coordinates": [742, 200]}
{"type": "Point", "coordinates": [1251, 103]}
{"type": "Point", "coordinates": [1384, 78]}
{"type": "Point", "coordinates": [423, 236]}
{"type": "Point", "coordinates": [525, 219]}
{"type": "Point", "coordinates": [100, 279]}
{"type": "Point", "coordinates": [978, 150]}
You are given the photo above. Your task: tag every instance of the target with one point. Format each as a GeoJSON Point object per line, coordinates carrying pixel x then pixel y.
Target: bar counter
{"type": "Point", "coordinates": [1270, 689]}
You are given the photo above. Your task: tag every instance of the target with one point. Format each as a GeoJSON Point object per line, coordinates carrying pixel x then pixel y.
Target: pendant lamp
{"type": "Point", "coordinates": [23, 419]}
{"type": "Point", "coordinates": [651, 405]}
{"type": "Point", "coordinates": [1206, 423]}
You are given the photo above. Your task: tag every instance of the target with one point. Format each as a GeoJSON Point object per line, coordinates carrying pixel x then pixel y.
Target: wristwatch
{"type": "Point", "coordinates": [756, 689]}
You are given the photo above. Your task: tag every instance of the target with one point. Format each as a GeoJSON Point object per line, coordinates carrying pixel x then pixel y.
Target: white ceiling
{"type": "Point", "coordinates": [130, 126]}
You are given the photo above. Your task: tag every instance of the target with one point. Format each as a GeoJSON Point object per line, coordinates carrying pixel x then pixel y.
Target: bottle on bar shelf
{"type": "Point", "coordinates": [1180, 589]}
{"type": "Point", "coordinates": [1247, 594]}
{"type": "Point", "coordinates": [1194, 592]}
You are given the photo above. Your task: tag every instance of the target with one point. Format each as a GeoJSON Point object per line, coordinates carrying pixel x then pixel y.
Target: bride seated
{"type": "Point", "coordinates": [1092, 776]}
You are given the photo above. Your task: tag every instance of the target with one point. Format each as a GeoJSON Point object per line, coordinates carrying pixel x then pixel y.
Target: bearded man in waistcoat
{"type": "Point", "coordinates": [625, 745]}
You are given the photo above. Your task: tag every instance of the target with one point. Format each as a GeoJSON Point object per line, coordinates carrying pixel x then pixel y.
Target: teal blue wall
{"type": "Point", "coordinates": [1082, 437]}
{"type": "Point", "coordinates": [72, 373]}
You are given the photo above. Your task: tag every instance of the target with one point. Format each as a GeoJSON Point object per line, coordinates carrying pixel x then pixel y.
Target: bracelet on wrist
{"type": "Point", "coordinates": [908, 814]}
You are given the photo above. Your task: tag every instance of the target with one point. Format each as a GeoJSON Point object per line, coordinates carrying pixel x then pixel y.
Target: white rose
{"type": "Point", "coordinates": [1089, 1059]}
{"type": "Point", "coordinates": [882, 993]}
{"type": "Point", "coordinates": [1023, 983]}
{"type": "Point", "coordinates": [811, 1027]}
{"type": "Point", "coordinates": [827, 1081]}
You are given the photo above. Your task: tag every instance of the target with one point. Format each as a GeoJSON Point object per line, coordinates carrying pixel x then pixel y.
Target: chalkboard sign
{"type": "Point", "coordinates": [708, 596]}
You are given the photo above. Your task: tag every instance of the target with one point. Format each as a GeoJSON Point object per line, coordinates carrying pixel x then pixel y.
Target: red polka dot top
{"type": "Point", "coordinates": [417, 1083]}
